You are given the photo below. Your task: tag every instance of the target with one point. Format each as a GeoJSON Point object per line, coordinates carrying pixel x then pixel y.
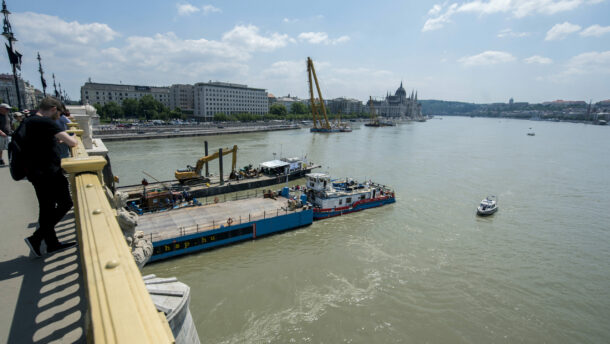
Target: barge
{"type": "Point", "coordinates": [193, 229]}
{"type": "Point", "coordinates": [273, 172]}
{"type": "Point", "coordinates": [335, 198]}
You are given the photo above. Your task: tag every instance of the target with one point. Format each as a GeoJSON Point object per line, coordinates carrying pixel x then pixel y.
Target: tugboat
{"type": "Point", "coordinates": [338, 197]}
{"type": "Point", "coordinates": [488, 206]}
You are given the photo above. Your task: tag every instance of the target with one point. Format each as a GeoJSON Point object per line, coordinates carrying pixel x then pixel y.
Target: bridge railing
{"type": "Point", "coordinates": [120, 310]}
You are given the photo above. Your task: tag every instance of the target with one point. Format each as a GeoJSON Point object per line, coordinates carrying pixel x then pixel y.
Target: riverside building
{"type": "Point", "coordinates": [220, 97]}
{"type": "Point", "coordinates": [182, 96]}
{"type": "Point", "coordinates": [30, 96]}
{"type": "Point", "coordinates": [96, 93]}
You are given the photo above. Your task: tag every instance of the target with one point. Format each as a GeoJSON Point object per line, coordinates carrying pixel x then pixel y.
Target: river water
{"type": "Point", "coordinates": [425, 269]}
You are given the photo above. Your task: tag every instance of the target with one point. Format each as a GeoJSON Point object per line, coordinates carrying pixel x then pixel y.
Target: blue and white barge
{"type": "Point", "coordinates": [188, 230]}
{"type": "Point", "coordinates": [338, 197]}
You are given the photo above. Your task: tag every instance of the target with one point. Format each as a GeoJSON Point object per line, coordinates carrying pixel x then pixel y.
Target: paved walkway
{"type": "Point", "coordinates": [42, 300]}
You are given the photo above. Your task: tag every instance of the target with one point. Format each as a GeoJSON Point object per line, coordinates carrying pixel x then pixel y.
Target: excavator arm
{"type": "Point", "coordinates": [195, 173]}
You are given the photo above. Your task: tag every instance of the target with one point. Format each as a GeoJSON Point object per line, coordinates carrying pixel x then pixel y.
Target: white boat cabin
{"type": "Point", "coordinates": [327, 194]}
{"type": "Point", "coordinates": [278, 167]}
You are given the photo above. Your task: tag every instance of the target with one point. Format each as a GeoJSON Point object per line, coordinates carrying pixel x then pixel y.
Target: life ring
{"type": "Point", "coordinates": [229, 221]}
{"type": "Point", "coordinates": [215, 199]}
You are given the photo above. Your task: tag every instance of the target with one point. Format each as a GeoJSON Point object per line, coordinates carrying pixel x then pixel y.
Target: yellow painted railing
{"type": "Point", "coordinates": [120, 308]}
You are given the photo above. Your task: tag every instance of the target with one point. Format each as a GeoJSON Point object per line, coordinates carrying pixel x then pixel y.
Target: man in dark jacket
{"type": "Point", "coordinates": [43, 166]}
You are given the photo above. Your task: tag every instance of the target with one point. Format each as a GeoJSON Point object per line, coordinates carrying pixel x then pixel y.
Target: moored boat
{"type": "Point", "coordinates": [488, 206]}
{"type": "Point", "coordinates": [335, 198]}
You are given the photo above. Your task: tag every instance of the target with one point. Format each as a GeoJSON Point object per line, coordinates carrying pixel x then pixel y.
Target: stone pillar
{"type": "Point", "coordinates": [173, 298]}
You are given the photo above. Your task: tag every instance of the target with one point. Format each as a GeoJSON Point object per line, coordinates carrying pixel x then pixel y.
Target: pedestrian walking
{"type": "Point", "coordinates": [5, 129]}
{"type": "Point", "coordinates": [43, 166]}
{"type": "Point", "coordinates": [62, 122]}
{"type": "Point", "coordinates": [18, 116]}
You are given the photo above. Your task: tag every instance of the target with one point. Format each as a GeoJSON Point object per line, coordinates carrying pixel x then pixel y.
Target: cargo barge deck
{"type": "Point", "coordinates": [188, 230]}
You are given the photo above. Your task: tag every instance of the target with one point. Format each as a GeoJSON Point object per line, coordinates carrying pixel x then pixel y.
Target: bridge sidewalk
{"type": "Point", "coordinates": [42, 299]}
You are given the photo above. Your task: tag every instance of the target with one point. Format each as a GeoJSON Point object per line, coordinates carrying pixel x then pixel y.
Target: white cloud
{"type": "Point", "coordinates": [436, 9]}
{"type": "Point", "coordinates": [560, 31]}
{"type": "Point", "coordinates": [186, 9]}
{"type": "Point", "coordinates": [489, 57]}
{"type": "Point", "coordinates": [78, 51]}
{"type": "Point", "coordinates": [288, 20]}
{"type": "Point", "coordinates": [249, 39]}
{"type": "Point", "coordinates": [510, 33]}
{"type": "Point", "coordinates": [589, 63]}
{"type": "Point", "coordinates": [595, 30]}
{"type": "Point", "coordinates": [439, 21]}
{"type": "Point", "coordinates": [321, 38]}
{"type": "Point", "coordinates": [286, 69]}
{"type": "Point", "coordinates": [538, 59]}
{"type": "Point", "coordinates": [517, 8]}
{"type": "Point", "coordinates": [289, 76]}
{"type": "Point", "coordinates": [210, 9]}
{"type": "Point", "coordinates": [61, 32]}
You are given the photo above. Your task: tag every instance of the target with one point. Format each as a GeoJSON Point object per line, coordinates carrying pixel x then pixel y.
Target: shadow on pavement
{"type": "Point", "coordinates": [51, 304]}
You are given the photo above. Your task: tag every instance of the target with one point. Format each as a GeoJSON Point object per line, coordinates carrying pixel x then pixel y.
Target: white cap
{"type": "Point", "coordinates": [5, 105]}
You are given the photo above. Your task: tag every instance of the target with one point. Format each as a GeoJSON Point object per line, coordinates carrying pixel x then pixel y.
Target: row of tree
{"type": "Point", "coordinates": [146, 108]}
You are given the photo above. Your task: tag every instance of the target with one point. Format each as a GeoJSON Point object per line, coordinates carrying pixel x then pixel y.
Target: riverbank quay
{"type": "Point", "coordinates": [145, 133]}
{"type": "Point", "coordinates": [42, 299]}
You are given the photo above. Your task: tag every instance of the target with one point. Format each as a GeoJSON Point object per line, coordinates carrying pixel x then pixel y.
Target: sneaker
{"type": "Point", "coordinates": [60, 247]}
{"type": "Point", "coordinates": [34, 247]}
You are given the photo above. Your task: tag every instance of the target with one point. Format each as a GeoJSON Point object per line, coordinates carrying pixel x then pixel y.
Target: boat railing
{"type": "Point", "coordinates": [222, 223]}
{"type": "Point", "coordinates": [119, 308]}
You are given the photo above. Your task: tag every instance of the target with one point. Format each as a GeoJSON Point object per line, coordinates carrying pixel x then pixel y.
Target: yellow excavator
{"type": "Point", "coordinates": [192, 175]}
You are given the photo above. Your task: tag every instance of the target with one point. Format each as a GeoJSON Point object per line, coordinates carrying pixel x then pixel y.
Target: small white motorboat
{"type": "Point", "coordinates": [488, 206]}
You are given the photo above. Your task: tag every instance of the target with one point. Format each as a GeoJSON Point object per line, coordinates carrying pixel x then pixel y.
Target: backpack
{"type": "Point", "coordinates": [16, 155]}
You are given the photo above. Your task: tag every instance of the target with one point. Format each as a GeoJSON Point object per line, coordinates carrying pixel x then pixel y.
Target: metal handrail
{"type": "Point", "coordinates": [120, 309]}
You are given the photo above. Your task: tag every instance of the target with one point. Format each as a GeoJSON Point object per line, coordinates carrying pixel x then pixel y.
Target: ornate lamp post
{"type": "Point", "coordinates": [13, 56]}
{"type": "Point", "coordinates": [42, 80]}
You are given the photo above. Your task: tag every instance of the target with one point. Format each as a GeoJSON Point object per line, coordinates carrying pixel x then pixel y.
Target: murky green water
{"type": "Point", "coordinates": [425, 269]}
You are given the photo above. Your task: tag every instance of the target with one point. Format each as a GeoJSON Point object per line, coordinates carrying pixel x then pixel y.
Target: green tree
{"type": "Point", "coordinates": [220, 117]}
{"type": "Point", "coordinates": [148, 107]}
{"type": "Point", "coordinates": [130, 107]}
{"type": "Point", "coordinates": [175, 113]}
{"type": "Point", "coordinates": [113, 110]}
{"type": "Point", "coordinates": [100, 110]}
{"type": "Point", "coordinates": [298, 108]}
{"type": "Point", "coordinates": [278, 109]}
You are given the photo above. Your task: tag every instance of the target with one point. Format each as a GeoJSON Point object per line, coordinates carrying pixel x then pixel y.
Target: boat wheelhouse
{"type": "Point", "coordinates": [337, 197]}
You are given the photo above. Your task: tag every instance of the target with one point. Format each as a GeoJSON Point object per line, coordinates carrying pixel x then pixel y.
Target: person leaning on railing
{"type": "Point", "coordinates": [43, 170]}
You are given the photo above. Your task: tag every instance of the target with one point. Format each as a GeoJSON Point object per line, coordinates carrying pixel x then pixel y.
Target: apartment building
{"type": "Point", "coordinates": [221, 97]}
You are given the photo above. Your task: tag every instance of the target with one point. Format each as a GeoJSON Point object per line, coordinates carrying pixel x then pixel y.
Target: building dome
{"type": "Point", "coordinates": [401, 91]}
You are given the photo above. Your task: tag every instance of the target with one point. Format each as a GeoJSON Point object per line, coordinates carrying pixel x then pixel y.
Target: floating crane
{"type": "Point", "coordinates": [375, 122]}
{"type": "Point", "coordinates": [192, 175]}
{"type": "Point", "coordinates": [321, 125]}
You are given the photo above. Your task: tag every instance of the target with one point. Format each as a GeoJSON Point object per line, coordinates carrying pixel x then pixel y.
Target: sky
{"type": "Point", "coordinates": [473, 51]}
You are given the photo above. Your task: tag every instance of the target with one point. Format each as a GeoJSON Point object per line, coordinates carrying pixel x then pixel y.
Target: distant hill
{"type": "Point", "coordinates": [442, 107]}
